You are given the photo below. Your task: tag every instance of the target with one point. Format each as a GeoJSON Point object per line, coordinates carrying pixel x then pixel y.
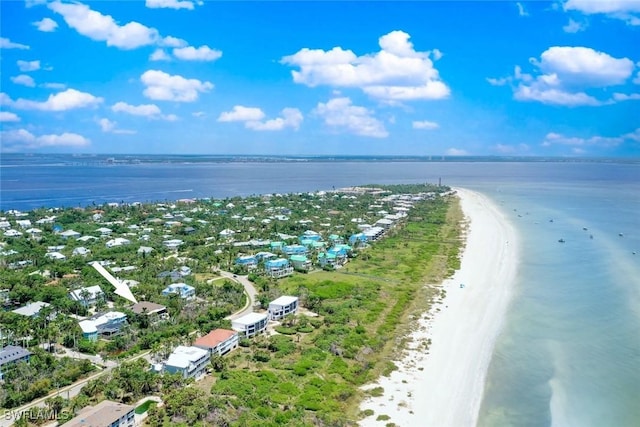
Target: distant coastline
{"type": "Point", "coordinates": [15, 159]}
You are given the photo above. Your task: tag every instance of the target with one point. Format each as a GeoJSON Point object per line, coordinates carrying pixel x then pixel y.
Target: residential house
{"type": "Point", "coordinates": [55, 255]}
{"type": "Point", "coordinates": [300, 262]}
{"type": "Point", "coordinates": [295, 250]}
{"type": "Point", "coordinates": [248, 261]}
{"type": "Point", "coordinates": [88, 295]}
{"type": "Point", "coordinates": [277, 268]}
{"type": "Point", "coordinates": [190, 362]}
{"type": "Point", "coordinates": [282, 307]}
{"type": "Point", "coordinates": [70, 234]}
{"type": "Point", "coordinates": [250, 324]}
{"type": "Point", "coordinates": [155, 312]}
{"type": "Point", "coordinates": [145, 250]}
{"type": "Point", "coordinates": [172, 243]}
{"type": "Point", "coordinates": [12, 233]}
{"type": "Point", "coordinates": [185, 291]}
{"type": "Point", "coordinates": [118, 241]}
{"type": "Point", "coordinates": [32, 309]}
{"type": "Point", "coordinates": [10, 355]}
{"type": "Point", "coordinates": [107, 324]}
{"type": "Point", "coordinates": [81, 250]}
{"type": "Point", "coordinates": [24, 223]}
{"type": "Point", "coordinates": [218, 341]}
{"type": "Point", "coordinates": [104, 414]}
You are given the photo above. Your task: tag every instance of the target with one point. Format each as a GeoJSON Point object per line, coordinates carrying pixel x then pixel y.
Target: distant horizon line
{"type": "Point", "coordinates": [370, 157]}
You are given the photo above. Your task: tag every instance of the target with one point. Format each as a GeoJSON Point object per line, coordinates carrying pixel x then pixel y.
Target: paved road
{"type": "Point", "coordinates": [251, 291]}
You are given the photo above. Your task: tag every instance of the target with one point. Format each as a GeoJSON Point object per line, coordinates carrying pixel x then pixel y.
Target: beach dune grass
{"type": "Point", "coordinates": [364, 313]}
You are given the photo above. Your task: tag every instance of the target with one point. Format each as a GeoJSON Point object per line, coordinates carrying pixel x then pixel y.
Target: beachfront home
{"type": "Point", "coordinates": [277, 268]}
{"type": "Point", "coordinates": [283, 306]}
{"type": "Point", "coordinates": [300, 262]}
{"type": "Point", "coordinates": [87, 296]}
{"type": "Point", "coordinates": [190, 362]}
{"type": "Point", "coordinates": [218, 341]}
{"type": "Point", "coordinates": [104, 414]}
{"type": "Point", "coordinates": [10, 355]}
{"type": "Point", "coordinates": [250, 324]}
{"type": "Point", "coordinates": [185, 291]}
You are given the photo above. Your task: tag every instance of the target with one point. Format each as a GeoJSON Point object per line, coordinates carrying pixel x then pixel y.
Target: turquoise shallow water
{"type": "Point", "coordinates": [569, 353]}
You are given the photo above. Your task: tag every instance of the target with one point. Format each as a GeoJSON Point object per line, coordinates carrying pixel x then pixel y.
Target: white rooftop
{"type": "Point", "coordinates": [284, 300]}
{"type": "Point", "coordinates": [183, 356]}
{"type": "Point", "coordinates": [251, 318]}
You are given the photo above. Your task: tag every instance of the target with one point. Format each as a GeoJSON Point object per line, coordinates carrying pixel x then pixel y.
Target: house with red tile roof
{"type": "Point", "coordinates": [218, 341]}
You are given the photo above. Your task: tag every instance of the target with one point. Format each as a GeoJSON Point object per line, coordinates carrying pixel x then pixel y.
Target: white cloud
{"type": "Point", "coordinates": [169, 4]}
{"type": "Point", "coordinates": [634, 136]}
{"type": "Point", "coordinates": [6, 116]}
{"type": "Point", "coordinates": [70, 99]}
{"type": "Point", "coordinates": [499, 81]}
{"type": "Point", "coordinates": [425, 124]}
{"type": "Point", "coordinates": [625, 10]}
{"type": "Point", "coordinates": [199, 114]}
{"type": "Point", "coordinates": [397, 72]}
{"type": "Point", "coordinates": [150, 111]}
{"type": "Point", "coordinates": [170, 41]}
{"type": "Point", "coordinates": [339, 113]}
{"type": "Point", "coordinates": [637, 79]}
{"type": "Point", "coordinates": [27, 140]}
{"type": "Point", "coordinates": [109, 126]}
{"type": "Point", "coordinates": [25, 66]}
{"type": "Point", "coordinates": [625, 97]}
{"type": "Point", "coordinates": [159, 55]}
{"type": "Point", "coordinates": [203, 53]}
{"type": "Point", "coordinates": [553, 138]}
{"type": "Point", "coordinates": [574, 26]}
{"type": "Point", "coordinates": [101, 27]}
{"type": "Point", "coordinates": [23, 80]}
{"type": "Point", "coordinates": [566, 74]}
{"type": "Point", "coordinates": [46, 24]}
{"type": "Point", "coordinates": [521, 10]}
{"type": "Point", "coordinates": [291, 118]}
{"type": "Point", "coordinates": [456, 152]}
{"type": "Point", "coordinates": [240, 113]}
{"type": "Point", "coordinates": [165, 87]}
{"type": "Point", "coordinates": [5, 43]}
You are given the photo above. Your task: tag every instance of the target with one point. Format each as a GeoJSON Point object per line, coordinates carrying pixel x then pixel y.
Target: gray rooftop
{"type": "Point", "coordinates": [11, 353]}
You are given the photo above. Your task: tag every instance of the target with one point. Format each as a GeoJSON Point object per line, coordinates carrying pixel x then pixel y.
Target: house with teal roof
{"type": "Point", "coordinates": [277, 268]}
{"type": "Point", "coordinates": [300, 262]}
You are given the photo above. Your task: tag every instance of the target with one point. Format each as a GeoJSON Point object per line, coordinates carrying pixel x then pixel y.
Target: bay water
{"type": "Point", "coordinates": [569, 351]}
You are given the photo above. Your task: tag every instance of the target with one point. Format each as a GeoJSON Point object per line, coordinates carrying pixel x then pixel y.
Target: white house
{"type": "Point", "coordinates": [283, 306]}
{"type": "Point", "coordinates": [93, 293]}
{"type": "Point", "coordinates": [70, 234]}
{"type": "Point", "coordinates": [188, 361]}
{"type": "Point", "coordinates": [118, 241]}
{"type": "Point", "coordinates": [55, 255]}
{"type": "Point", "coordinates": [218, 341]}
{"type": "Point", "coordinates": [81, 250]}
{"type": "Point", "coordinates": [250, 324]}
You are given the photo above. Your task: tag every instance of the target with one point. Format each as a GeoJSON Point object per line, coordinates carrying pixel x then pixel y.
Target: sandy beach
{"type": "Point", "coordinates": [444, 385]}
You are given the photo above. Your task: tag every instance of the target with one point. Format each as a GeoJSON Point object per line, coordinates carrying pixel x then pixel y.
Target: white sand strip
{"type": "Point", "coordinates": [444, 387]}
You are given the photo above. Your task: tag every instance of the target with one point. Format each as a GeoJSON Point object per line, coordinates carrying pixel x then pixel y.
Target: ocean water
{"type": "Point", "coordinates": [569, 352]}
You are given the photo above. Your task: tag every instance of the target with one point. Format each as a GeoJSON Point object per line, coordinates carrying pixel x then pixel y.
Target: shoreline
{"type": "Point", "coordinates": [444, 385]}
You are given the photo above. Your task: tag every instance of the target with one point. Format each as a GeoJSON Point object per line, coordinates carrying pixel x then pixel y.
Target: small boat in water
{"type": "Point", "coordinates": [561, 240]}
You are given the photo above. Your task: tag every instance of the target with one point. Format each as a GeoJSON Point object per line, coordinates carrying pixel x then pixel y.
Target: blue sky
{"type": "Point", "coordinates": [312, 78]}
